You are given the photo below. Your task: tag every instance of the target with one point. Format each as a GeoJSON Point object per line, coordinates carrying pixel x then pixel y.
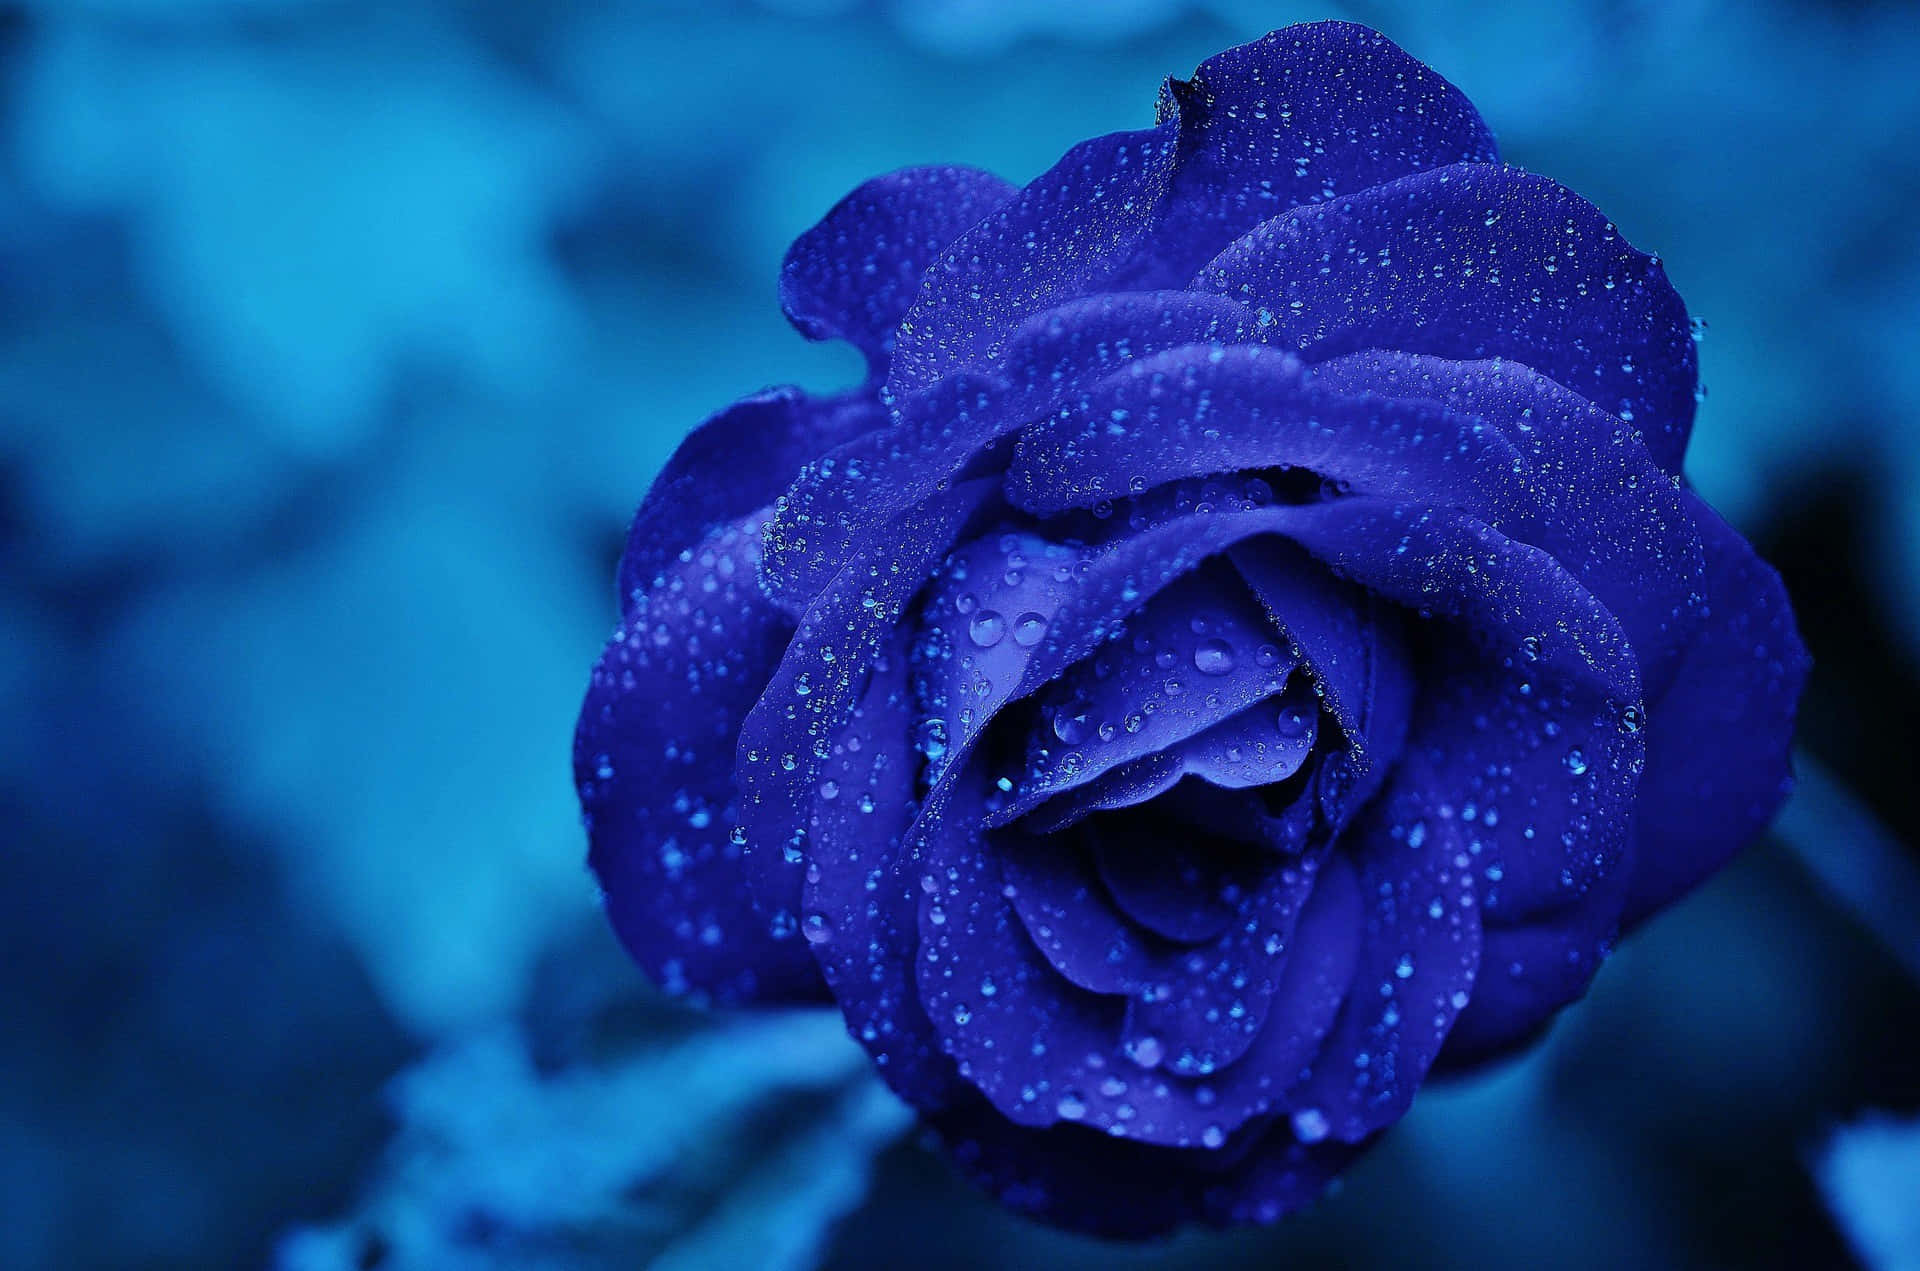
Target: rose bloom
{"type": "Point", "coordinates": [1246, 647]}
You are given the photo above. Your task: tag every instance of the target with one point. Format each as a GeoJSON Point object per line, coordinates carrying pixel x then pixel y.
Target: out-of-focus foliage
{"type": "Point", "coordinates": [337, 341]}
{"type": "Point", "coordinates": [734, 1146]}
{"type": "Point", "coordinates": [1871, 1174]}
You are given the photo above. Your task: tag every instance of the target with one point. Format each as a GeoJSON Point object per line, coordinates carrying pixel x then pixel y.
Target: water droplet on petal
{"type": "Point", "coordinates": [1213, 656]}
{"type": "Point", "coordinates": [1146, 1051]}
{"type": "Point", "coordinates": [1071, 725]}
{"type": "Point", "coordinates": [987, 629]}
{"type": "Point", "coordinates": [1310, 1125]}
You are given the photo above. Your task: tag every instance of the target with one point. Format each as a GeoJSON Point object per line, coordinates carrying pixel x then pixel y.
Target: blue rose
{"type": "Point", "coordinates": [1247, 646]}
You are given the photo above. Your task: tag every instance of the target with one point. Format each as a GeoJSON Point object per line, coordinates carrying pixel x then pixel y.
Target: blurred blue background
{"type": "Point", "coordinates": [337, 342]}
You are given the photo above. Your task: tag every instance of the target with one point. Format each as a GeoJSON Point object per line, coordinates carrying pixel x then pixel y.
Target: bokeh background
{"type": "Point", "coordinates": [338, 339]}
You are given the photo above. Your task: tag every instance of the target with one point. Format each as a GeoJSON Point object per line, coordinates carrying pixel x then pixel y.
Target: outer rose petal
{"type": "Point", "coordinates": [1717, 741]}
{"type": "Point", "coordinates": [1143, 210]}
{"type": "Point", "coordinates": [1594, 497]}
{"type": "Point", "coordinates": [1540, 777]}
{"type": "Point", "coordinates": [1082, 1179]}
{"type": "Point", "coordinates": [852, 276]}
{"type": "Point", "coordinates": [788, 735]}
{"type": "Point", "coordinates": [734, 464]}
{"type": "Point", "coordinates": [1506, 592]}
{"type": "Point", "coordinates": [653, 759]}
{"type": "Point", "coordinates": [846, 502]}
{"type": "Point", "coordinates": [1477, 261]}
{"type": "Point", "coordinates": [860, 884]}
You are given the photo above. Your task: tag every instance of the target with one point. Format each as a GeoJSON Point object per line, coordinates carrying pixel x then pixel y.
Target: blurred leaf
{"type": "Point", "coordinates": [1870, 1173]}
{"type": "Point", "coordinates": [737, 1146]}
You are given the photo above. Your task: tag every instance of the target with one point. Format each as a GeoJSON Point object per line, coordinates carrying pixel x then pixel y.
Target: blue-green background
{"type": "Point", "coordinates": [339, 339]}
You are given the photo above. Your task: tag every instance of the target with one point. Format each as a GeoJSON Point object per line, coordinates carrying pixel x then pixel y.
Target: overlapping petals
{"type": "Point", "coordinates": [1244, 647]}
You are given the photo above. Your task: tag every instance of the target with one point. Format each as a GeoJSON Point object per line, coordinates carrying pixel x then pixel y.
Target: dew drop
{"type": "Point", "coordinates": [1310, 1125]}
{"type": "Point", "coordinates": [1070, 724]}
{"type": "Point", "coordinates": [1213, 656]}
{"type": "Point", "coordinates": [1146, 1051]}
{"type": "Point", "coordinates": [931, 740]}
{"type": "Point", "coordinates": [1028, 628]}
{"type": "Point", "coordinates": [1293, 721]}
{"type": "Point", "coordinates": [987, 629]}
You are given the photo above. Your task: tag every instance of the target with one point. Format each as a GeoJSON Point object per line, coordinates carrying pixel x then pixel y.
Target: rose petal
{"type": "Point", "coordinates": [789, 732]}
{"type": "Point", "coordinates": [1540, 780]}
{"type": "Point", "coordinates": [1527, 973]}
{"type": "Point", "coordinates": [1452, 566]}
{"type": "Point", "coordinates": [1036, 1045]}
{"type": "Point", "coordinates": [1474, 261]}
{"type": "Point", "coordinates": [1196, 411]}
{"type": "Point", "coordinates": [1542, 775]}
{"type": "Point", "coordinates": [846, 500]}
{"type": "Point", "coordinates": [1419, 953]}
{"type": "Point", "coordinates": [734, 464]}
{"type": "Point", "coordinates": [1206, 1014]}
{"type": "Point", "coordinates": [1354, 645]}
{"type": "Point", "coordinates": [1594, 498]}
{"type": "Point", "coordinates": [852, 276]}
{"type": "Point", "coordinates": [1180, 884]}
{"type": "Point", "coordinates": [1717, 741]}
{"type": "Point", "coordinates": [859, 899]}
{"type": "Point", "coordinates": [1137, 782]}
{"type": "Point", "coordinates": [656, 786]}
{"type": "Point", "coordinates": [1256, 747]}
{"type": "Point", "coordinates": [1493, 440]}
{"type": "Point", "coordinates": [1076, 1177]}
{"type": "Point", "coordinates": [1319, 960]}
{"type": "Point", "coordinates": [1300, 115]}
{"type": "Point", "coordinates": [1040, 1029]}
{"type": "Point", "coordinates": [1196, 656]}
